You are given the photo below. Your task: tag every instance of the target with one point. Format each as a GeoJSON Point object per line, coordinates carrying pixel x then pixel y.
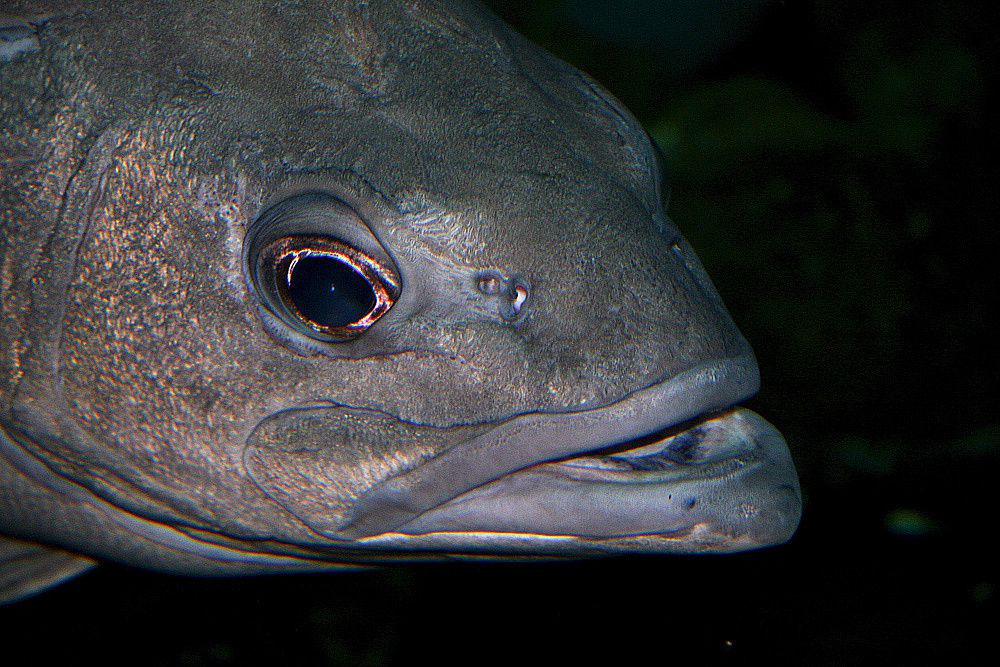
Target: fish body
{"type": "Point", "coordinates": [307, 285]}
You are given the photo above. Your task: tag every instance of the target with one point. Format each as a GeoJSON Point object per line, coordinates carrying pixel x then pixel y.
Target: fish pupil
{"type": "Point", "coordinates": [329, 292]}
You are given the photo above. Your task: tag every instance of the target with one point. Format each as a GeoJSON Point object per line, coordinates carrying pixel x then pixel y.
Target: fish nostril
{"type": "Point", "coordinates": [514, 290]}
{"type": "Point", "coordinates": [491, 284]}
{"type": "Point", "coordinates": [516, 296]}
{"type": "Point", "coordinates": [520, 296]}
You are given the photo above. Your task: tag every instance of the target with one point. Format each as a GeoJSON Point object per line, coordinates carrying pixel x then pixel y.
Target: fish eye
{"type": "Point", "coordinates": [325, 288]}
{"type": "Point", "coordinates": [331, 285]}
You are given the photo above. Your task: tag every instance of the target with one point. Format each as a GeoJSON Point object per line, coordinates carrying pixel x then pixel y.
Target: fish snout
{"type": "Point", "coordinates": [629, 323]}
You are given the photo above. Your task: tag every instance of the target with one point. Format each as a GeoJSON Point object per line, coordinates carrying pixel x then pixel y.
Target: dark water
{"type": "Point", "coordinates": [834, 164]}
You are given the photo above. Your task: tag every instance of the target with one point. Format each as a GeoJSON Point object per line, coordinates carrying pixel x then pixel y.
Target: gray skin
{"type": "Point", "coordinates": [155, 410]}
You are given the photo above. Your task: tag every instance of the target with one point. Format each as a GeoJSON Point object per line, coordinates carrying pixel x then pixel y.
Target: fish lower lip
{"type": "Point", "coordinates": [537, 438]}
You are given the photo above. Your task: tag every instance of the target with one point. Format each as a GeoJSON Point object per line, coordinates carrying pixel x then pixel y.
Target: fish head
{"type": "Point", "coordinates": [377, 279]}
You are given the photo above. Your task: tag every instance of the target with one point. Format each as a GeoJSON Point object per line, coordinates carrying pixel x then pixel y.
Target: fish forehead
{"type": "Point", "coordinates": [430, 101]}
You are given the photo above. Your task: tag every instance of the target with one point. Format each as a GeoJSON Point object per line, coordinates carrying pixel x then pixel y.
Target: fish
{"type": "Point", "coordinates": [319, 285]}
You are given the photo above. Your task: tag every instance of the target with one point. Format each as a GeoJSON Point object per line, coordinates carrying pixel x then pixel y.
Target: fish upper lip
{"type": "Point", "coordinates": [534, 438]}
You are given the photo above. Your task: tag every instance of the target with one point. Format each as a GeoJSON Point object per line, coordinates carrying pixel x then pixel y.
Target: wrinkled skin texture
{"type": "Point", "coordinates": [137, 364]}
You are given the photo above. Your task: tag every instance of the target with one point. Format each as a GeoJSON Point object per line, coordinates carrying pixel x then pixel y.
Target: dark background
{"type": "Point", "coordinates": [833, 163]}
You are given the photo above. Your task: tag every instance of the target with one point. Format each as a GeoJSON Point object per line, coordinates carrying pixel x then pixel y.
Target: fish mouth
{"type": "Point", "coordinates": [672, 467]}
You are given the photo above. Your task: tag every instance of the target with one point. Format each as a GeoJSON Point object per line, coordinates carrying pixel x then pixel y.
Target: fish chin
{"type": "Point", "coordinates": [673, 467]}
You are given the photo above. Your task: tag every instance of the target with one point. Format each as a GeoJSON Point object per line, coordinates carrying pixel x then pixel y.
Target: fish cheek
{"type": "Point", "coordinates": [316, 462]}
{"type": "Point", "coordinates": [155, 349]}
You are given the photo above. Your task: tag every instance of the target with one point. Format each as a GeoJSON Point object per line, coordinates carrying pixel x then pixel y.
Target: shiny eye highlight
{"type": "Point", "coordinates": [323, 287]}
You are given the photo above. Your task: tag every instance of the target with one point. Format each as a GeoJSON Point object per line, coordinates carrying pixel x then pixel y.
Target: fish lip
{"type": "Point", "coordinates": [720, 483]}
{"type": "Point", "coordinates": [534, 438]}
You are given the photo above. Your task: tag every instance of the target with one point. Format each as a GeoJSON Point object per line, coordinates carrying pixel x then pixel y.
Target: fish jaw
{"type": "Point", "coordinates": [668, 479]}
{"type": "Point", "coordinates": [720, 484]}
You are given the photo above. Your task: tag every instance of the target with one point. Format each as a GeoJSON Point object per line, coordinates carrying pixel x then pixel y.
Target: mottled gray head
{"type": "Point", "coordinates": [338, 280]}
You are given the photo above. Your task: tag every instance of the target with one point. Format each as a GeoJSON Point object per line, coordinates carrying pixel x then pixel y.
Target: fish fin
{"type": "Point", "coordinates": [27, 568]}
